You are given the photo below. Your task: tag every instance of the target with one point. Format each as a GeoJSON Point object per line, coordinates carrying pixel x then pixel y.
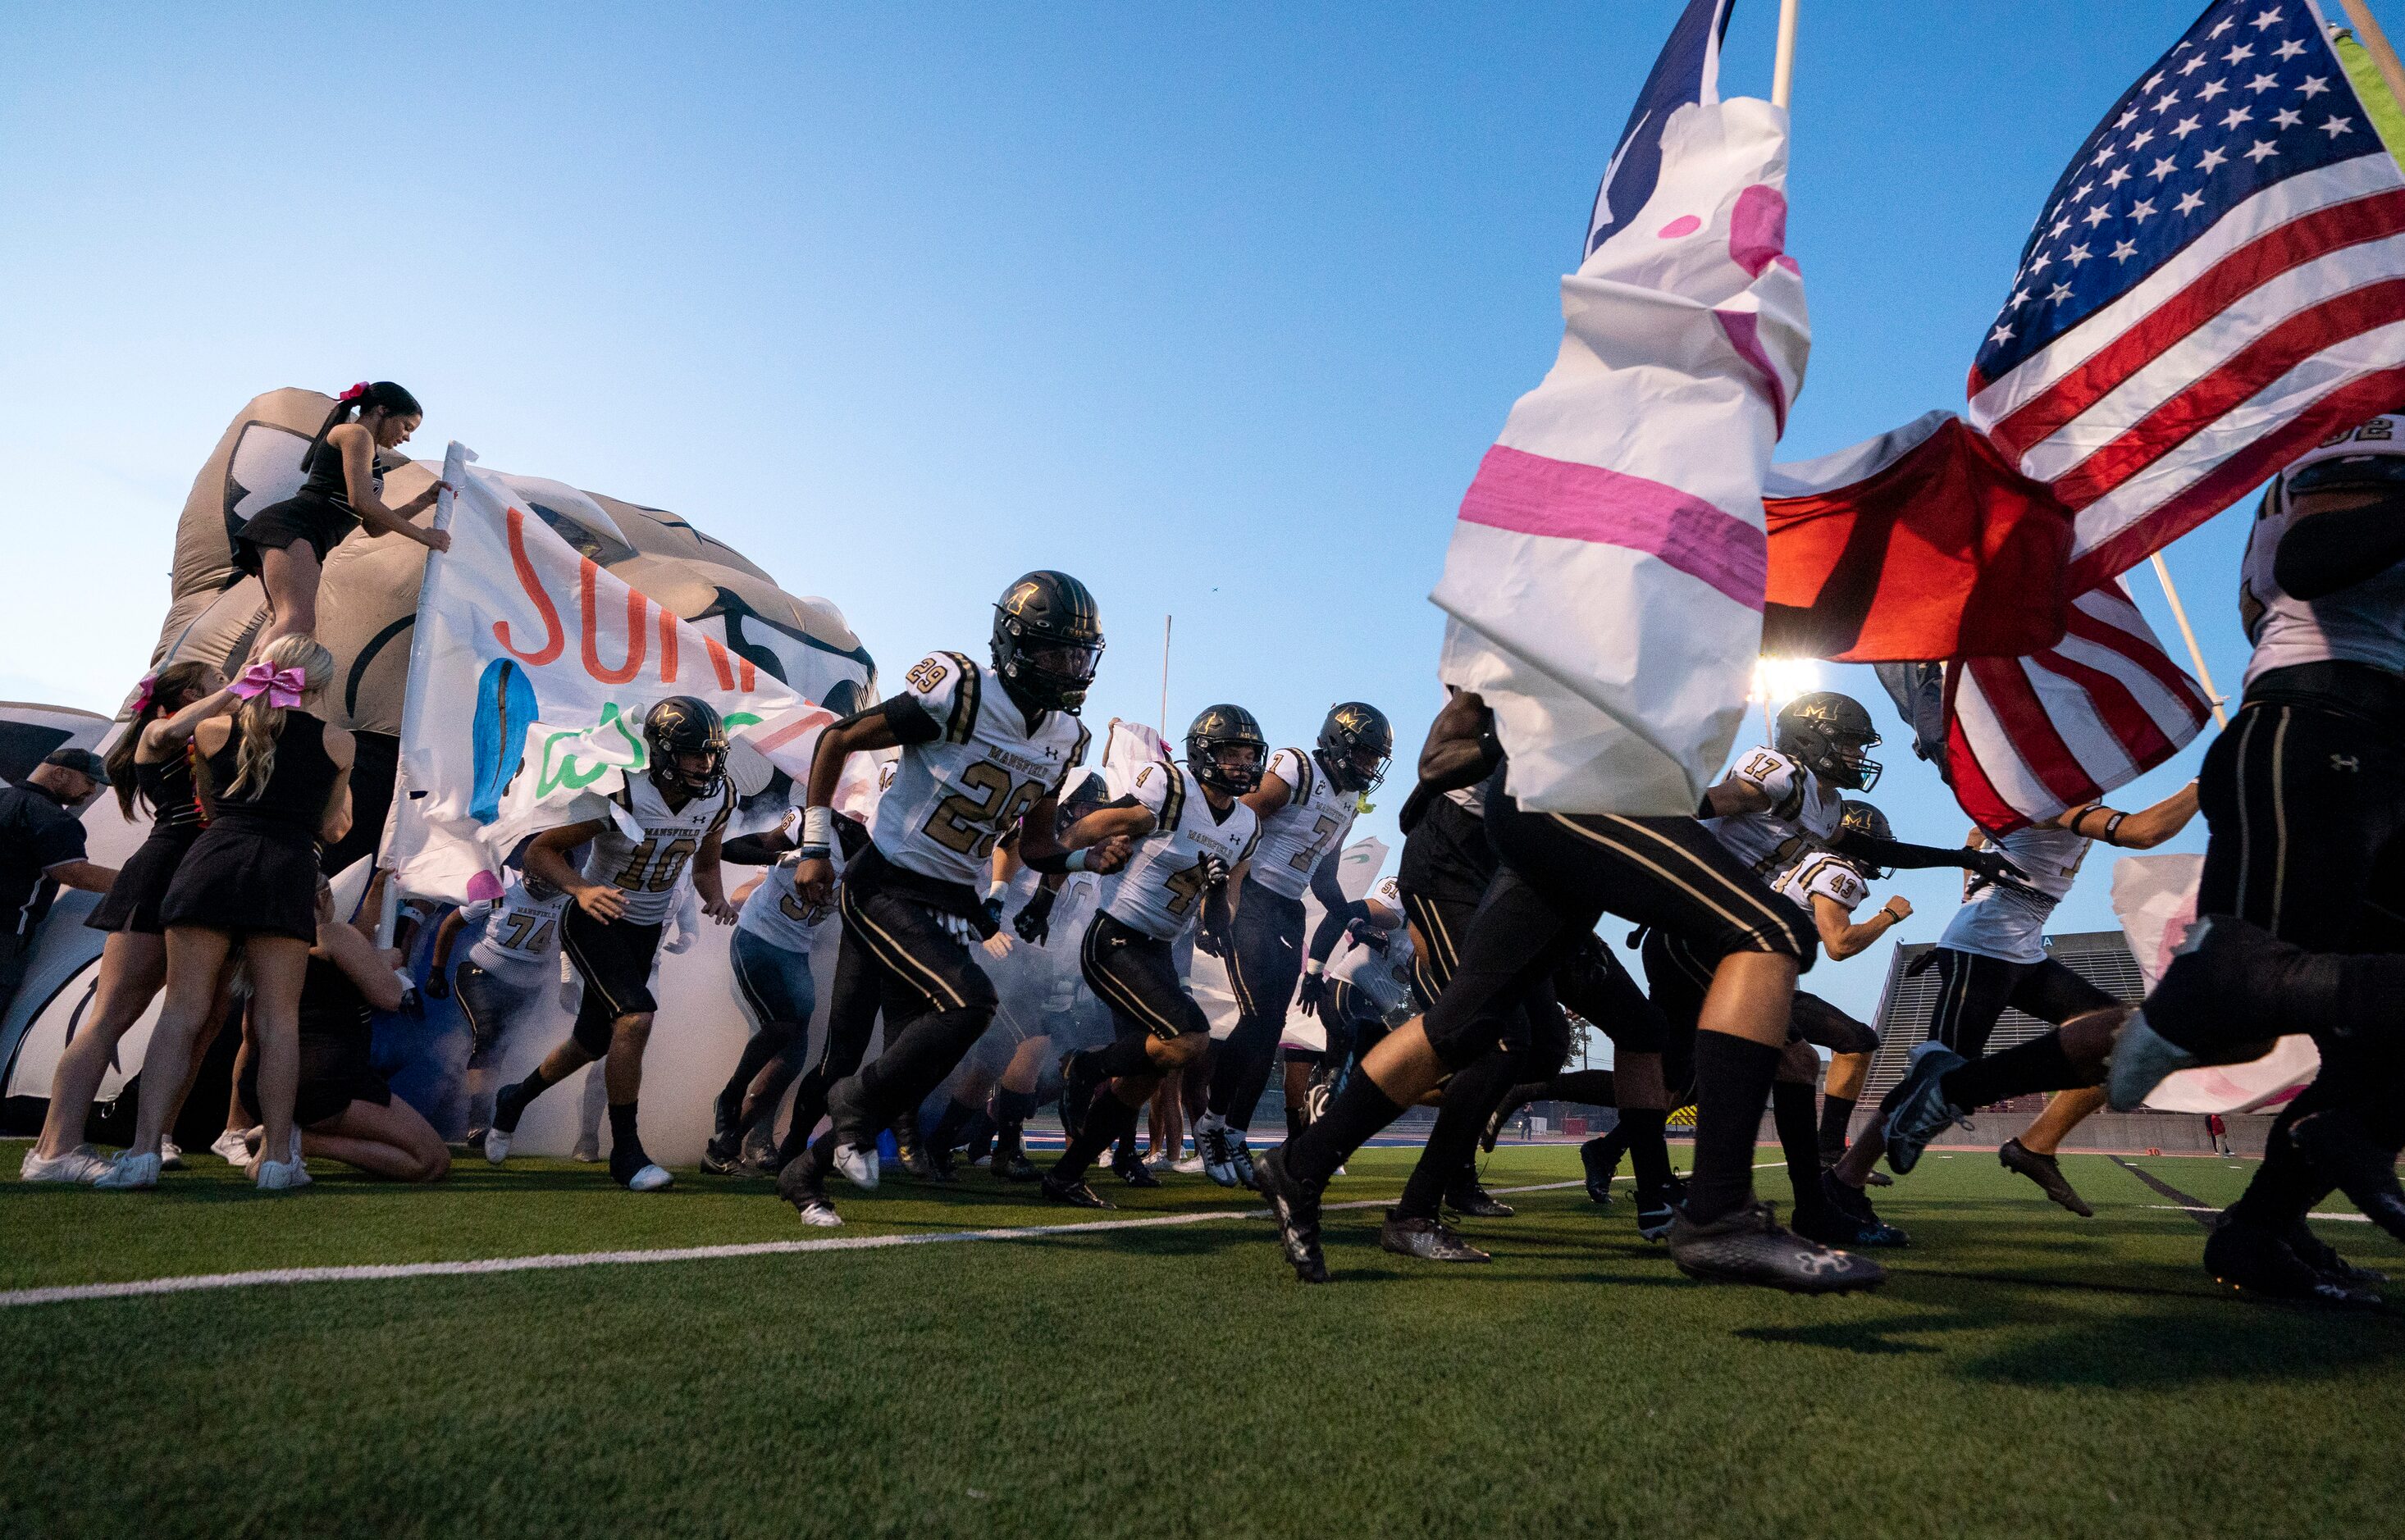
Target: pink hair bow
{"type": "Point", "coordinates": [353, 393]}
{"type": "Point", "coordinates": [144, 693]}
{"type": "Point", "coordinates": [283, 686]}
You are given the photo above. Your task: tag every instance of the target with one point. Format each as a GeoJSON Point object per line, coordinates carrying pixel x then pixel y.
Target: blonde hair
{"type": "Point", "coordinates": [259, 723]}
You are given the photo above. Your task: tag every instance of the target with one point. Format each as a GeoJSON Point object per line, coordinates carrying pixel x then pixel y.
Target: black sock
{"type": "Point", "coordinates": [1799, 1140]}
{"type": "Point", "coordinates": [2037, 1065]}
{"type": "Point", "coordinates": [1105, 1121]}
{"type": "Point", "coordinates": [1587, 1087]}
{"type": "Point", "coordinates": [977, 1134]}
{"type": "Point", "coordinates": [1648, 1151]}
{"type": "Point", "coordinates": [522, 1093]}
{"type": "Point", "coordinates": [1470, 1098]}
{"type": "Point", "coordinates": [1357, 1114]}
{"type": "Point", "coordinates": [916, 1062]}
{"type": "Point", "coordinates": [1837, 1114]}
{"type": "Point", "coordinates": [622, 1129]}
{"type": "Point", "coordinates": [1733, 1079]}
{"type": "Point", "coordinates": [2288, 1184]}
{"type": "Point", "coordinates": [1124, 1057]}
{"type": "Point", "coordinates": [1013, 1108]}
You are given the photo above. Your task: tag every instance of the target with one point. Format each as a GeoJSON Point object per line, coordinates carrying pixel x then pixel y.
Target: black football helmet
{"type": "Point", "coordinates": [1355, 744]}
{"type": "Point", "coordinates": [1048, 639]}
{"type": "Point", "coordinates": [1868, 821]}
{"type": "Point", "coordinates": [1826, 733]}
{"type": "Point", "coordinates": [681, 725]}
{"type": "Point", "coordinates": [1226, 750]}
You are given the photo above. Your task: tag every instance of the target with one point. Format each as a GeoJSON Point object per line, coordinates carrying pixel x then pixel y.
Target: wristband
{"type": "Point", "coordinates": [1313, 968]}
{"type": "Point", "coordinates": [1076, 862]}
{"type": "Point", "coordinates": [818, 832]}
{"type": "Point", "coordinates": [2113, 826]}
{"type": "Point", "coordinates": [996, 889]}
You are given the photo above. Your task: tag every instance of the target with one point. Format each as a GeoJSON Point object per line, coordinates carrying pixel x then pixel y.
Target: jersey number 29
{"type": "Point", "coordinates": [974, 826]}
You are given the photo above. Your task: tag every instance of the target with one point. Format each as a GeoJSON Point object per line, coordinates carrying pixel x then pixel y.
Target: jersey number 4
{"type": "Point", "coordinates": [974, 825]}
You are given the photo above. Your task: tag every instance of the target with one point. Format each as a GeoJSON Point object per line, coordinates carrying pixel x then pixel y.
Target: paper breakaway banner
{"type": "Point", "coordinates": [2154, 897]}
{"type": "Point", "coordinates": [529, 675]}
{"type": "Point", "coordinates": [1604, 585]}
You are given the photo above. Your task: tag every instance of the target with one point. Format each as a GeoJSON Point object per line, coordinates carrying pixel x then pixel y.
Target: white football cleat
{"type": "Point", "coordinates": [819, 1211]}
{"type": "Point", "coordinates": [170, 1156]}
{"type": "Point", "coordinates": [651, 1179]}
{"type": "Point", "coordinates": [587, 1151]}
{"type": "Point", "coordinates": [81, 1166]}
{"type": "Point", "coordinates": [859, 1167]}
{"type": "Point", "coordinates": [128, 1173]}
{"type": "Point", "coordinates": [1190, 1166]}
{"type": "Point", "coordinates": [279, 1176]}
{"type": "Point", "coordinates": [2142, 1059]}
{"type": "Point", "coordinates": [233, 1145]}
{"type": "Point", "coordinates": [497, 1144]}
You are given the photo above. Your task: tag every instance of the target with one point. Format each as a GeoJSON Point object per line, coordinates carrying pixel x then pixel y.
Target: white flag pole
{"type": "Point", "coordinates": [1782, 71]}
{"type": "Point", "coordinates": [455, 463]}
{"type": "Point", "coordinates": [2195, 653]}
{"type": "Point", "coordinates": [2375, 43]}
{"type": "Point", "coordinates": [1166, 621]}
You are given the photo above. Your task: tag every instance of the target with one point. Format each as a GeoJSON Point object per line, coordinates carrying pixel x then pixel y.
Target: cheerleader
{"type": "Point", "coordinates": [151, 760]}
{"type": "Point", "coordinates": [275, 780]}
{"type": "Point", "coordinates": [286, 545]}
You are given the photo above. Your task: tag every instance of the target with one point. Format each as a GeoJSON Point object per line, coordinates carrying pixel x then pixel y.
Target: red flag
{"type": "Point", "coordinates": [1921, 543]}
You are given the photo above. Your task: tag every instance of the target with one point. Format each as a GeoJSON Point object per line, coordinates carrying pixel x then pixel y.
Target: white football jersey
{"type": "Point", "coordinates": [953, 799]}
{"type": "Point", "coordinates": [1802, 816]}
{"type": "Point", "coordinates": [2365, 624]}
{"type": "Point", "coordinates": [1298, 836]}
{"type": "Point", "coordinates": [521, 932]}
{"type": "Point", "coordinates": [2008, 920]}
{"type": "Point", "coordinates": [1159, 892]}
{"type": "Point", "coordinates": [776, 912]}
{"type": "Point", "coordinates": [1353, 962]}
{"type": "Point", "coordinates": [651, 870]}
{"type": "Point", "coordinates": [1822, 875]}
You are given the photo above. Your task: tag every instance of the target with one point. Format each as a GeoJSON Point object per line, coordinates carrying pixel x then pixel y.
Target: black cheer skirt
{"type": "Point", "coordinates": [247, 877]}
{"type": "Point", "coordinates": [132, 901]}
{"type": "Point", "coordinates": [335, 1071]}
{"type": "Point", "coordinates": [305, 519]}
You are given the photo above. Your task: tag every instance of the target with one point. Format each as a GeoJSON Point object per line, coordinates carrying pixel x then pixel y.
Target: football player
{"type": "Point", "coordinates": [985, 750]}
{"type": "Point", "coordinates": [513, 960]}
{"type": "Point", "coordinates": [1190, 831]}
{"type": "Point", "coordinates": [622, 902]}
{"type": "Point", "coordinates": [1305, 803]}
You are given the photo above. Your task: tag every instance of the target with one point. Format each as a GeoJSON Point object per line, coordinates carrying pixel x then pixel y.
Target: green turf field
{"type": "Point", "coordinates": [2025, 1372]}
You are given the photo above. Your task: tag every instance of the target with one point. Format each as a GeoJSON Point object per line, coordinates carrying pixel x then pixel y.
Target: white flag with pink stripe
{"type": "Point", "coordinates": [1604, 586]}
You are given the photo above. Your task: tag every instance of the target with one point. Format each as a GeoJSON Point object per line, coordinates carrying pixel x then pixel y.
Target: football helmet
{"type": "Point", "coordinates": [1826, 733]}
{"type": "Point", "coordinates": [1356, 743]}
{"type": "Point", "coordinates": [681, 725]}
{"type": "Point", "coordinates": [1863, 819]}
{"type": "Point", "coordinates": [1226, 750]}
{"type": "Point", "coordinates": [1048, 639]}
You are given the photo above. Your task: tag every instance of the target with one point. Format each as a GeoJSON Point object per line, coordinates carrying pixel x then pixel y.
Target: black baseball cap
{"type": "Point", "coordinates": [83, 761]}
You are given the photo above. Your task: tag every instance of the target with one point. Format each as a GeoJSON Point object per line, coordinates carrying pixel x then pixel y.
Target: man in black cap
{"type": "Point", "coordinates": [41, 848]}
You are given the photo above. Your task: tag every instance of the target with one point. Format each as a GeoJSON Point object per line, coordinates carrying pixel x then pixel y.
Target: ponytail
{"type": "Point", "coordinates": [358, 401]}
{"type": "Point", "coordinates": [160, 695]}
{"type": "Point", "coordinates": [259, 719]}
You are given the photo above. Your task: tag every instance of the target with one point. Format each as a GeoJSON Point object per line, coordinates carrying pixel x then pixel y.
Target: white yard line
{"type": "Point", "coordinates": [2208, 1209]}
{"type": "Point", "coordinates": [375, 1273]}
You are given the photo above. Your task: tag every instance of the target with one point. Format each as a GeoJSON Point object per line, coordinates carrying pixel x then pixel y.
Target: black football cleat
{"type": "Point", "coordinates": [2316, 1253]}
{"type": "Point", "coordinates": [803, 1184]}
{"type": "Point", "coordinates": [1748, 1245]}
{"type": "Point", "coordinates": [1921, 1110]}
{"type": "Point", "coordinates": [1012, 1165]}
{"type": "Point", "coordinates": [2336, 1141]}
{"type": "Point", "coordinates": [1429, 1239]}
{"type": "Point", "coordinates": [1134, 1172]}
{"type": "Point", "coordinates": [1295, 1205]}
{"type": "Point", "coordinates": [1080, 1081]}
{"type": "Point", "coordinates": [2258, 1265]}
{"type": "Point", "coordinates": [2046, 1172]}
{"type": "Point", "coordinates": [1072, 1192]}
{"type": "Point", "coordinates": [1468, 1198]}
{"type": "Point", "coordinates": [1655, 1212]}
{"type": "Point", "coordinates": [1850, 1220]}
{"type": "Point", "coordinates": [722, 1160]}
{"type": "Point", "coordinates": [1600, 1159]}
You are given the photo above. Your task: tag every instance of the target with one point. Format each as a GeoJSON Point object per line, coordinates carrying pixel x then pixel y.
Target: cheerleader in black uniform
{"type": "Point", "coordinates": [275, 781]}
{"type": "Point", "coordinates": [343, 1108]}
{"type": "Point", "coordinates": [151, 757]}
{"type": "Point", "coordinates": [287, 544]}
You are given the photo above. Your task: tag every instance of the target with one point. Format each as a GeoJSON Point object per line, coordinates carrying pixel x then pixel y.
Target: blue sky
{"type": "Point", "coordinates": [1216, 306]}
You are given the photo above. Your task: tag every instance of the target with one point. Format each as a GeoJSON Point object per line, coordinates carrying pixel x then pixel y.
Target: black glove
{"type": "Point", "coordinates": [1315, 993]}
{"type": "Point", "coordinates": [1992, 865]}
{"type": "Point", "coordinates": [993, 914]}
{"type": "Point", "coordinates": [1363, 934]}
{"type": "Point", "coordinates": [1035, 921]}
{"type": "Point", "coordinates": [438, 984]}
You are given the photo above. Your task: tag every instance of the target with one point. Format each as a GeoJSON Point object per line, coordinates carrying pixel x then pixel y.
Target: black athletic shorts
{"type": "Point", "coordinates": [614, 956]}
{"type": "Point", "coordinates": [1136, 976]}
{"type": "Point", "coordinates": [1446, 866]}
{"type": "Point", "coordinates": [1265, 956]}
{"type": "Point", "coordinates": [1594, 983]}
{"type": "Point", "coordinates": [1973, 992]}
{"type": "Point", "coordinates": [921, 951]}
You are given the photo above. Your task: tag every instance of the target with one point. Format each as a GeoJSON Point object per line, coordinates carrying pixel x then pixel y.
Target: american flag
{"type": "Point", "coordinates": [2216, 283]}
{"type": "Point", "coordinates": [2028, 738]}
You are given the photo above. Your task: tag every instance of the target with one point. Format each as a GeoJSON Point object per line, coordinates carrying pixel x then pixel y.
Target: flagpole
{"type": "Point", "coordinates": [2375, 43]}
{"type": "Point", "coordinates": [1782, 70]}
{"type": "Point", "coordinates": [1166, 621]}
{"type": "Point", "coordinates": [2195, 654]}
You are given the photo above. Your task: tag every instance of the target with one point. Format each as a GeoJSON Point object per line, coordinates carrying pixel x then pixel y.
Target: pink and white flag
{"type": "Point", "coordinates": [1605, 584]}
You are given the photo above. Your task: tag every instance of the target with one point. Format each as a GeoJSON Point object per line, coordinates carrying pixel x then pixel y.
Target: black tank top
{"type": "Point", "coordinates": [295, 795]}
{"type": "Point", "coordinates": [330, 1003]}
{"type": "Point", "coordinates": [327, 481]}
{"type": "Point", "coordinates": [167, 787]}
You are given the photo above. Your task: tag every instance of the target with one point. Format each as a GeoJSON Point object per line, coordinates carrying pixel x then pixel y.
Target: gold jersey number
{"type": "Point", "coordinates": [643, 874]}
{"type": "Point", "coordinates": [973, 825]}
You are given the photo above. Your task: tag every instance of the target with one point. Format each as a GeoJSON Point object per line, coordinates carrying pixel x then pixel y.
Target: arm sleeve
{"type": "Point", "coordinates": [1896, 853]}
{"type": "Point", "coordinates": [2325, 552]}
{"type": "Point", "coordinates": [1341, 911]}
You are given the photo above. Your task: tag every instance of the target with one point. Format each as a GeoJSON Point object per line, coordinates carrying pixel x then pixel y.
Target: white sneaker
{"type": "Point", "coordinates": [1190, 1166]}
{"type": "Point", "coordinates": [278, 1176]}
{"type": "Point", "coordinates": [587, 1151]}
{"type": "Point", "coordinates": [129, 1173]}
{"type": "Point", "coordinates": [651, 1179]}
{"type": "Point", "coordinates": [1211, 1146]}
{"type": "Point", "coordinates": [859, 1167]}
{"type": "Point", "coordinates": [81, 1166]}
{"type": "Point", "coordinates": [819, 1211]}
{"type": "Point", "coordinates": [234, 1146]}
{"type": "Point", "coordinates": [170, 1156]}
{"type": "Point", "coordinates": [1241, 1157]}
{"type": "Point", "coordinates": [497, 1144]}
{"type": "Point", "coordinates": [2142, 1059]}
